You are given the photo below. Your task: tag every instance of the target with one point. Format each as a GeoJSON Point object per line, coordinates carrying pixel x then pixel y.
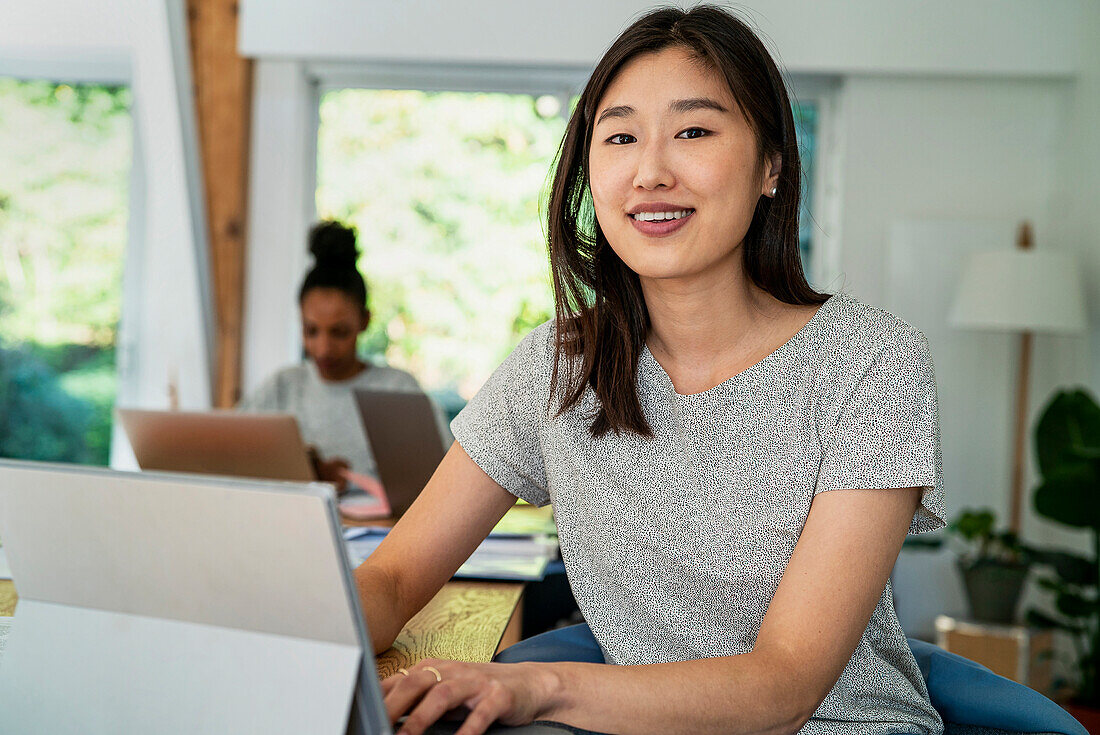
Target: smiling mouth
{"type": "Point", "coordinates": [661, 216]}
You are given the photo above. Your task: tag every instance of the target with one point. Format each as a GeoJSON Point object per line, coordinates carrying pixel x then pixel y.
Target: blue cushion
{"type": "Point", "coordinates": [967, 693]}
{"type": "Point", "coordinates": [573, 643]}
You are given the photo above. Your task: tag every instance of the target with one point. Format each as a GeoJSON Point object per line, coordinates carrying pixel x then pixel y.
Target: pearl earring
{"type": "Point", "coordinates": [774, 189]}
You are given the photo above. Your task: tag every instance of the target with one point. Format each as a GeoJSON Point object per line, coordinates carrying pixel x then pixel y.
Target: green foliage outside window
{"type": "Point", "coordinates": [445, 191]}
{"type": "Point", "coordinates": [65, 154]}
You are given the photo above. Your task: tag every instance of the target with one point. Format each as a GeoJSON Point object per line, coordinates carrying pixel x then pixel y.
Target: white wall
{"type": "Point", "coordinates": [925, 147]}
{"type": "Point", "coordinates": [1074, 210]}
{"type": "Point", "coordinates": [162, 335]}
{"type": "Point", "coordinates": [1073, 214]}
{"type": "Point", "coordinates": [1019, 37]}
{"type": "Point", "coordinates": [280, 212]}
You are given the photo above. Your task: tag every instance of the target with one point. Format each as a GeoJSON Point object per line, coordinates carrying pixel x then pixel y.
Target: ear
{"type": "Point", "coordinates": [772, 167]}
{"type": "Point", "coordinates": [364, 321]}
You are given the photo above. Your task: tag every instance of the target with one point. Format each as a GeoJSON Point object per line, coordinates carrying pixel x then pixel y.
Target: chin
{"type": "Point", "coordinates": [658, 265]}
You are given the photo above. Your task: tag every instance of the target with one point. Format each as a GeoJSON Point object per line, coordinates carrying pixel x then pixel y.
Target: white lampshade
{"type": "Point", "coordinates": [1020, 290]}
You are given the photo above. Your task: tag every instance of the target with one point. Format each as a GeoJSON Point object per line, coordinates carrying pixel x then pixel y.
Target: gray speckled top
{"type": "Point", "coordinates": [674, 545]}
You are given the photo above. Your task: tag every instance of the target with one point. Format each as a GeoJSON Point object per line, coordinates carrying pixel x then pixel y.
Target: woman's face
{"type": "Point", "coordinates": [671, 145]}
{"type": "Point", "coordinates": [331, 324]}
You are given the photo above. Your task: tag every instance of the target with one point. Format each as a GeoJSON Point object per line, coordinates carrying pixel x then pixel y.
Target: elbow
{"type": "Point", "coordinates": [795, 693]}
{"type": "Point", "coordinates": [789, 717]}
{"type": "Point", "coordinates": [378, 599]}
{"type": "Point", "coordinates": [797, 718]}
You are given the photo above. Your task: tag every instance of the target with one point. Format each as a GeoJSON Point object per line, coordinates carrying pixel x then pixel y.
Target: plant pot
{"type": "Point", "coordinates": [993, 588]}
{"type": "Point", "coordinates": [1088, 716]}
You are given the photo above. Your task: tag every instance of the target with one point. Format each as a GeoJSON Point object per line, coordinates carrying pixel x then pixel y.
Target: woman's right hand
{"type": "Point", "coordinates": [330, 470]}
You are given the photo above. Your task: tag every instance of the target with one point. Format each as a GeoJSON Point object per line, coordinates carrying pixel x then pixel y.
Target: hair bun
{"type": "Point", "coordinates": [333, 245]}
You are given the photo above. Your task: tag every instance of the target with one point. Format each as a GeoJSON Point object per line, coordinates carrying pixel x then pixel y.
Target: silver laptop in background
{"type": "Point", "coordinates": [258, 445]}
{"type": "Point", "coordinates": [404, 436]}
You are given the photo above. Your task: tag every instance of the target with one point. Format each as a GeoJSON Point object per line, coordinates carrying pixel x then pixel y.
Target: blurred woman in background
{"type": "Point", "coordinates": [319, 391]}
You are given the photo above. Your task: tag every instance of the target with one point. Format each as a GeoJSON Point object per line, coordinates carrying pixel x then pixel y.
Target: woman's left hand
{"type": "Point", "coordinates": [512, 694]}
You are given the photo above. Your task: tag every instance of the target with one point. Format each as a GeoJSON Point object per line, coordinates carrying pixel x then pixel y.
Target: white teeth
{"type": "Point", "coordinates": [658, 216]}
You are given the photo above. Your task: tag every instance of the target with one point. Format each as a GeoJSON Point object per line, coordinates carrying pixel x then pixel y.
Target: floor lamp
{"type": "Point", "coordinates": [1025, 291]}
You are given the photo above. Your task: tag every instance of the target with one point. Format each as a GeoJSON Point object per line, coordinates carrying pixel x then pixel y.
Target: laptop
{"type": "Point", "coordinates": [267, 446]}
{"type": "Point", "coordinates": [404, 436]}
{"type": "Point", "coordinates": [182, 604]}
{"type": "Point", "coordinates": [258, 445]}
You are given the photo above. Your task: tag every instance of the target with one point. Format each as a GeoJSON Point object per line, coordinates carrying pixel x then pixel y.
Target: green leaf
{"type": "Point", "coordinates": [920, 543]}
{"type": "Point", "coordinates": [1070, 568]}
{"type": "Point", "coordinates": [1041, 620]}
{"type": "Point", "coordinates": [1070, 494]}
{"type": "Point", "coordinates": [972, 525]}
{"type": "Point", "coordinates": [1073, 605]}
{"type": "Point", "coordinates": [1054, 585]}
{"type": "Point", "coordinates": [1069, 423]}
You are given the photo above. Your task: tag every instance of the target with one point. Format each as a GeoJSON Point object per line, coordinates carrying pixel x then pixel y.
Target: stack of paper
{"type": "Point", "coordinates": [501, 556]}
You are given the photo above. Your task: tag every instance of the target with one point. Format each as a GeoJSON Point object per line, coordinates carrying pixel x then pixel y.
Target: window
{"type": "Point", "coordinates": [66, 152]}
{"type": "Point", "coordinates": [445, 190]}
{"type": "Point", "coordinates": [805, 123]}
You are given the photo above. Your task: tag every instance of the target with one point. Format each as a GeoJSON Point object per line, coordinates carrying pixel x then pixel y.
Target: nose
{"type": "Point", "coordinates": [322, 348]}
{"type": "Point", "coordinates": [653, 169]}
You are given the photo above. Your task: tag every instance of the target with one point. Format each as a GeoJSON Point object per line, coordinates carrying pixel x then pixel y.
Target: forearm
{"type": "Point", "coordinates": [378, 596]}
{"type": "Point", "coordinates": [750, 693]}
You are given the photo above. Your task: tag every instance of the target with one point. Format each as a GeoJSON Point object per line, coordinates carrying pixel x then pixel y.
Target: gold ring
{"type": "Point", "coordinates": [434, 670]}
{"type": "Point", "coordinates": [403, 672]}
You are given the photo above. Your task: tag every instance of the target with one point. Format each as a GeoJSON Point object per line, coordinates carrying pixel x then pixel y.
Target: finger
{"type": "Point", "coordinates": [484, 714]}
{"type": "Point", "coordinates": [438, 701]}
{"type": "Point", "coordinates": [389, 682]}
{"type": "Point", "coordinates": [407, 691]}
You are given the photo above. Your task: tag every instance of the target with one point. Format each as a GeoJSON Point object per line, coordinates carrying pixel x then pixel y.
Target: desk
{"type": "Point", "coordinates": [8, 598]}
{"type": "Point", "coordinates": [466, 621]}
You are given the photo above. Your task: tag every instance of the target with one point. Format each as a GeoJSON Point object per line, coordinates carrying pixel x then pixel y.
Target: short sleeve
{"type": "Point", "coordinates": [405, 381]}
{"type": "Point", "coordinates": [881, 429]}
{"type": "Point", "coordinates": [500, 427]}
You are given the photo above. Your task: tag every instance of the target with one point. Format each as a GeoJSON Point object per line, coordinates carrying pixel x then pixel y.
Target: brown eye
{"type": "Point", "coordinates": [691, 133]}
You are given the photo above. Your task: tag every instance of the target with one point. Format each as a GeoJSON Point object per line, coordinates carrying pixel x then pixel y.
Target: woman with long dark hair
{"type": "Point", "coordinates": [733, 458]}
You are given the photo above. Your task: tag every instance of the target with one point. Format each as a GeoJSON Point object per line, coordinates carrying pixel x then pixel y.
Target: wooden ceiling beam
{"type": "Point", "coordinates": [223, 101]}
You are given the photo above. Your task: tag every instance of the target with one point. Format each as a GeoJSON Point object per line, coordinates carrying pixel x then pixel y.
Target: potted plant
{"type": "Point", "coordinates": [1067, 442]}
{"type": "Point", "coordinates": [993, 564]}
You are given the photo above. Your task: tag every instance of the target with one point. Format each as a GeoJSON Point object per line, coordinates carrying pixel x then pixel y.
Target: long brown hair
{"type": "Point", "coordinates": [601, 315]}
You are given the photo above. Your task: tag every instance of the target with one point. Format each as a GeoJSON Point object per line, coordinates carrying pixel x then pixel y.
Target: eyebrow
{"type": "Point", "coordinates": [696, 103]}
{"type": "Point", "coordinates": [679, 106]}
{"type": "Point", "coordinates": [617, 111]}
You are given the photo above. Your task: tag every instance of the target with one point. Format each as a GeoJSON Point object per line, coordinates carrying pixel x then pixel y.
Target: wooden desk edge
{"type": "Point", "coordinates": [466, 621]}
